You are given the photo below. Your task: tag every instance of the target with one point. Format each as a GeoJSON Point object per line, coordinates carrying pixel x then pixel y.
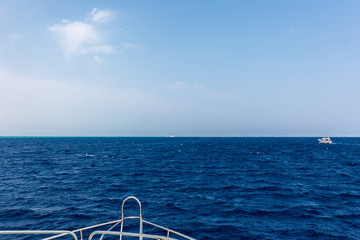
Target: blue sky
{"type": "Point", "coordinates": [184, 68]}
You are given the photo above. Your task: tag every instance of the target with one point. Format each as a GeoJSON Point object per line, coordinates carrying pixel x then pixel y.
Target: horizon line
{"type": "Point", "coordinates": [169, 136]}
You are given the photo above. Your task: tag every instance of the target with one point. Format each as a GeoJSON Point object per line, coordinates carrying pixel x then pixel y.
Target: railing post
{"type": "Point", "coordinates": [140, 216]}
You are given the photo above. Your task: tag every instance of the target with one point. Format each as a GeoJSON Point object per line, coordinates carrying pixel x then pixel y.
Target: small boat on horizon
{"type": "Point", "coordinates": [325, 140]}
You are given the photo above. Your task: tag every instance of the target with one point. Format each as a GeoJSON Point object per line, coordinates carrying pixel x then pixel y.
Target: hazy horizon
{"type": "Point", "coordinates": [172, 136]}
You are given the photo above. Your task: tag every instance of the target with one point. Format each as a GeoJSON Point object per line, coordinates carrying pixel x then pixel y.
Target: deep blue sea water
{"type": "Point", "coordinates": [207, 188]}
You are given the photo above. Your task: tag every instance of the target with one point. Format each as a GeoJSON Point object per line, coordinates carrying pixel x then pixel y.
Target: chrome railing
{"type": "Point", "coordinates": [123, 219]}
{"type": "Point", "coordinates": [40, 232]}
{"type": "Point", "coordinates": [140, 235]}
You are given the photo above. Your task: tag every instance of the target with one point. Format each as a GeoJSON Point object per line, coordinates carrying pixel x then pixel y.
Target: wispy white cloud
{"type": "Point", "coordinates": [82, 37]}
{"type": "Point", "coordinates": [101, 15]}
{"type": "Point", "coordinates": [74, 37]}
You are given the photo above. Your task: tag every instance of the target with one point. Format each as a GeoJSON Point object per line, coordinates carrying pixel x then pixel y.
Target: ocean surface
{"type": "Point", "coordinates": [207, 188]}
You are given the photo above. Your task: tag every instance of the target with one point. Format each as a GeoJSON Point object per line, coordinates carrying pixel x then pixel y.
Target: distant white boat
{"type": "Point", "coordinates": [325, 140]}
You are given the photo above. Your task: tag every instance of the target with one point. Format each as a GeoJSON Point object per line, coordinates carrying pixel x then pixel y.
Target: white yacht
{"type": "Point", "coordinates": [91, 231]}
{"type": "Point", "coordinates": [325, 140]}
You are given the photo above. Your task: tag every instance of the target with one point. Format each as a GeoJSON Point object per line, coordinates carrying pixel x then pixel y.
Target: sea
{"type": "Point", "coordinates": [204, 187]}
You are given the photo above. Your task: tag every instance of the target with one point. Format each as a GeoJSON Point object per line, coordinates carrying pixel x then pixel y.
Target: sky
{"type": "Point", "coordinates": [183, 68]}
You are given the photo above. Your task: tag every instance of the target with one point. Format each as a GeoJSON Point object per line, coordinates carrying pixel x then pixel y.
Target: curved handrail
{"type": "Point", "coordinates": [140, 216]}
{"type": "Point", "coordinates": [40, 232]}
{"type": "Point", "coordinates": [123, 203]}
{"type": "Point", "coordinates": [130, 234]}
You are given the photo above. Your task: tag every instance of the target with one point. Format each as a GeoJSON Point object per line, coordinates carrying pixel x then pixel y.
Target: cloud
{"type": "Point", "coordinates": [81, 37]}
{"type": "Point", "coordinates": [100, 15]}
{"type": "Point", "coordinates": [291, 30]}
{"type": "Point", "coordinates": [75, 37]}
